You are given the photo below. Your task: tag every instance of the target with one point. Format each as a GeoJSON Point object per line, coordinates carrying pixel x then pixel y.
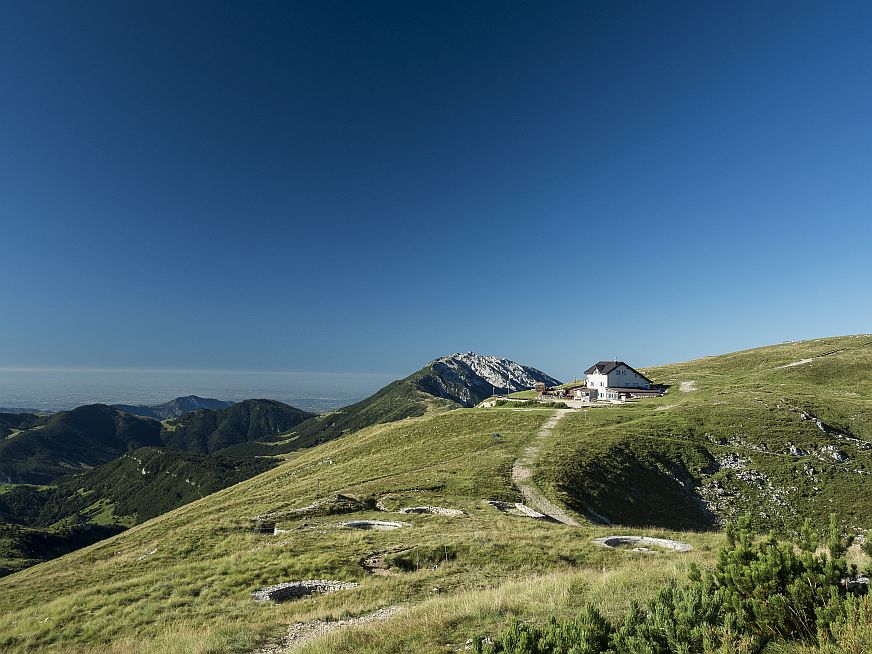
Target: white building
{"type": "Point", "coordinates": [614, 380]}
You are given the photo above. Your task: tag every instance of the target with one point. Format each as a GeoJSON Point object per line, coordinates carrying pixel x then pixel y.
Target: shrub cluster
{"type": "Point", "coordinates": [760, 591]}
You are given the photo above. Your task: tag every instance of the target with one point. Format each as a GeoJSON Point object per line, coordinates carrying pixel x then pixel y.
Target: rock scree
{"type": "Point", "coordinates": [297, 589]}
{"type": "Point", "coordinates": [640, 542]}
{"type": "Point", "coordinates": [378, 525]}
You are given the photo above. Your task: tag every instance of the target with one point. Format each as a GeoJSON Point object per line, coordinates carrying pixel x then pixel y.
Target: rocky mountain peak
{"type": "Point", "coordinates": [468, 378]}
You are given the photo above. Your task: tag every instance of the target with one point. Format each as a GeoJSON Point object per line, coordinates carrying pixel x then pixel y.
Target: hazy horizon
{"type": "Point", "coordinates": [58, 390]}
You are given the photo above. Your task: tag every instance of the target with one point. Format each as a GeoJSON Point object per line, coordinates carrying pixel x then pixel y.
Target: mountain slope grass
{"type": "Point", "coordinates": [191, 571]}
{"type": "Point", "coordinates": [718, 443]}
{"type": "Point", "coordinates": [736, 433]}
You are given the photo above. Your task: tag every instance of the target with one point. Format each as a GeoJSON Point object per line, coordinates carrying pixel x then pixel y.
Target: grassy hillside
{"type": "Point", "coordinates": [181, 582]}
{"type": "Point", "coordinates": [734, 433]}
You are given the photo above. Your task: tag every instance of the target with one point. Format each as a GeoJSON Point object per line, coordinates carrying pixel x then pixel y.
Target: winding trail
{"type": "Point", "coordinates": [522, 475]}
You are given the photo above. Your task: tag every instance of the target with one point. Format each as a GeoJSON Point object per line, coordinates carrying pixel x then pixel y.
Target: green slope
{"type": "Point", "coordinates": [181, 581]}
{"type": "Point", "coordinates": [741, 436]}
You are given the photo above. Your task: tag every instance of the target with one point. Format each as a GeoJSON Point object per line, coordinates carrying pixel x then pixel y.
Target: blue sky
{"type": "Point", "coordinates": [364, 186]}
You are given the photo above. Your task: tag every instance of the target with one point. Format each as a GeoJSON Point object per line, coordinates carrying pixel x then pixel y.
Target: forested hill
{"type": "Point", "coordinates": [73, 440]}
{"type": "Point", "coordinates": [207, 431]}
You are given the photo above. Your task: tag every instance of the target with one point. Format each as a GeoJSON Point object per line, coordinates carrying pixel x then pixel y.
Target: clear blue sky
{"type": "Point", "coordinates": [364, 186]}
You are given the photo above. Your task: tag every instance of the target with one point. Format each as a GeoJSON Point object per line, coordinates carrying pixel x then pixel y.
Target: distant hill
{"type": "Point", "coordinates": [206, 431]}
{"type": "Point", "coordinates": [71, 441]}
{"type": "Point", "coordinates": [450, 382]}
{"type": "Point", "coordinates": [132, 485]}
{"type": "Point", "coordinates": [40, 449]}
{"type": "Point", "coordinates": [174, 408]}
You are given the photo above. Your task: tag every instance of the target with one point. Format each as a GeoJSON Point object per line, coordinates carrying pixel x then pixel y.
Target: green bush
{"type": "Point", "coordinates": [588, 634]}
{"type": "Point", "coordinates": [847, 627]}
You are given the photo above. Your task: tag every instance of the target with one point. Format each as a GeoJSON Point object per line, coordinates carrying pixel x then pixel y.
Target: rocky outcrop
{"type": "Point", "coordinates": [468, 378]}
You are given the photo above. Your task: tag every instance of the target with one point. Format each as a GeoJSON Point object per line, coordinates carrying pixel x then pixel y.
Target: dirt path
{"type": "Point", "coordinates": [301, 633]}
{"type": "Point", "coordinates": [522, 475]}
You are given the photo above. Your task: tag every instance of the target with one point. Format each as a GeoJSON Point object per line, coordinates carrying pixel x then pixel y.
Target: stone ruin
{"type": "Point", "coordinates": [641, 543]}
{"type": "Point", "coordinates": [378, 525]}
{"type": "Point", "coordinates": [518, 509]}
{"type": "Point", "coordinates": [433, 510]}
{"type": "Point", "coordinates": [296, 589]}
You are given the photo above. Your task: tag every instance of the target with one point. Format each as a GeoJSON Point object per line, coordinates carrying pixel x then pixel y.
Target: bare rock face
{"type": "Point", "coordinates": [296, 589]}
{"type": "Point", "coordinates": [468, 378]}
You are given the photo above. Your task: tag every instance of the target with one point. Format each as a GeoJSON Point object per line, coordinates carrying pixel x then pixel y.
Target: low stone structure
{"type": "Point", "coordinates": [433, 510]}
{"type": "Point", "coordinates": [518, 509]}
{"type": "Point", "coordinates": [641, 543]}
{"type": "Point", "coordinates": [378, 525]}
{"type": "Point", "coordinates": [296, 589]}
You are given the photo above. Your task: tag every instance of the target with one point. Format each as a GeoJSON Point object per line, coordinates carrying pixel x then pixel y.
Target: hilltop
{"type": "Point", "coordinates": [174, 408]}
{"type": "Point", "coordinates": [783, 431]}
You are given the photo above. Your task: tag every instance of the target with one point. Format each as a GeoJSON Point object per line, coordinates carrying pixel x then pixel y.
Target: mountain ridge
{"type": "Point", "coordinates": [174, 408]}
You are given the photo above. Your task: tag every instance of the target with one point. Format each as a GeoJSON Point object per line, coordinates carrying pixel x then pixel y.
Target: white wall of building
{"type": "Point", "coordinates": [620, 377]}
